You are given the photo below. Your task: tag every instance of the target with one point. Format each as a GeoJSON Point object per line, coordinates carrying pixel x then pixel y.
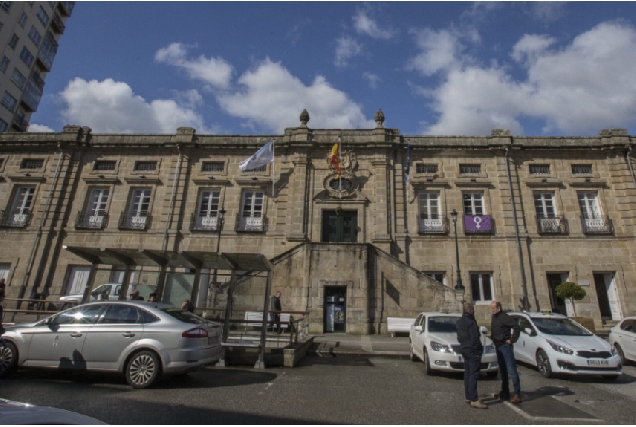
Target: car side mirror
{"type": "Point", "coordinates": [418, 328]}
{"type": "Point", "coordinates": [530, 332]}
{"type": "Point", "coordinates": [483, 330]}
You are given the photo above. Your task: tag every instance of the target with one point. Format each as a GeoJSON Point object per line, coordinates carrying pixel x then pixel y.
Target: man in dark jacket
{"type": "Point", "coordinates": [275, 306]}
{"type": "Point", "coordinates": [471, 348]}
{"type": "Point", "coordinates": [505, 332]}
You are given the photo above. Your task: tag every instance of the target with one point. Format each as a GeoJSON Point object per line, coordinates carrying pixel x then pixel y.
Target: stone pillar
{"type": "Point", "coordinates": [381, 233]}
{"type": "Point", "coordinates": [297, 215]}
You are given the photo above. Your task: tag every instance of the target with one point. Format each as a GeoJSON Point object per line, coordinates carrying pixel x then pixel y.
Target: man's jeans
{"type": "Point", "coordinates": [507, 364]}
{"type": "Point", "coordinates": [471, 375]}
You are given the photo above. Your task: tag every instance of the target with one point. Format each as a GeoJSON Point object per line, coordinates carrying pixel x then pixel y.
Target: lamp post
{"type": "Point", "coordinates": [458, 285]}
{"type": "Point", "coordinates": [220, 223]}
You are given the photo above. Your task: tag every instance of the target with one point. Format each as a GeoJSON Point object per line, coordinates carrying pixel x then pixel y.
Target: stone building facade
{"type": "Point", "coordinates": [532, 212]}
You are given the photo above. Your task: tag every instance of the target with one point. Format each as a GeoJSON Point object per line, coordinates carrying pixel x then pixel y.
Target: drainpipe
{"type": "Point", "coordinates": [629, 162]}
{"type": "Point", "coordinates": [172, 196]}
{"type": "Point", "coordinates": [38, 234]}
{"type": "Point", "coordinates": [514, 216]}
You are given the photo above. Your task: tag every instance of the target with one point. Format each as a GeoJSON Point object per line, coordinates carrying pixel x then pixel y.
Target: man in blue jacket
{"type": "Point", "coordinates": [471, 348]}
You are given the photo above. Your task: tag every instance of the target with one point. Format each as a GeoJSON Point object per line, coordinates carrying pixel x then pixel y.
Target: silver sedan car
{"type": "Point", "coordinates": [139, 339]}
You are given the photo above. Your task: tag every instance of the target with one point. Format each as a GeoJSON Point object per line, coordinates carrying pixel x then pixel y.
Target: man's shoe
{"type": "Point", "coordinates": [516, 399]}
{"type": "Point", "coordinates": [502, 395]}
{"type": "Point", "coordinates": [478, 405]}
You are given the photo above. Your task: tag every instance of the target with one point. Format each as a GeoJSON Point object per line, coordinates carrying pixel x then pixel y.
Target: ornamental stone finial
{"type": "Point", "coordinates": [379, 119]}
{"type": "Point", "coordinates": [304, 118]}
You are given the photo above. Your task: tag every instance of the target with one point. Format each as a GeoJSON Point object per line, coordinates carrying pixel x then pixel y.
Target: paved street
{"type": "Point", "coordinates": [333, 390]}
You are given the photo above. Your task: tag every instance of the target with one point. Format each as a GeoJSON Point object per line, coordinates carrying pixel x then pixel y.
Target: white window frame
{"type": "Point", "coordinates": [432, 275]}
{"type": "Point", "coordinates": [480, 278]}
{"type": "Point", "coordinates": [208, 209]}
{"type": "Point", "coordinates": [472, 207]}
{"type": "Point", "coordinates": [251, 218]}
{"type": "Point", "coordinates": [137, 215]}
{"type": "Point", "coordinates": [430, 215]}
{"type": "Point", "coordinates": [546, 202]}
{"type": "Point", "coordinates": [590, 206]}
{"type": "Point", "coordinates": [96, 207]}
{"type": "Point", "coordinates": [21, 206]}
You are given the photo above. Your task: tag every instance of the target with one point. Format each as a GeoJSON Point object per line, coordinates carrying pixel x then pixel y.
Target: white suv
{"type": "Point", "coordinates": [433, 339]}
{"type": "Point", "coordinates": [623, 337]}
{"type": "Point", "coordinates": [558, 345]}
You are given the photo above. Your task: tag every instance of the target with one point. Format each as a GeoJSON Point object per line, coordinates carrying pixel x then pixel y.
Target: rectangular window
{"type": "Point", "coordinates": [581, 169]}
{"type": "Point", "coordinates": [209, 203]}
{"type": "Point", "coordinates": [4, 64]}
{"type": "Point", "coordinates": [21, 208]}
{"type": "Point", "coordinates": [482, 287]}
{"type": "Point", "coordinates": [140, 201]}
{"type": "Point", "coordinates": [9, 101]}
{"type": "Point", "coordinates": [32, 164]}
{"type": "Point", "coordinates": [6, 5]}
{"type": "Point", "coordinates": [96, 208]}
{"type": "Point", "coordinates": [104, 165]}
{"type": "Point", "coordinates": [23, 19]}
{"type": "Point", "coordinates": [258, 169]}
{"type": "Point", "coordinates": [213, 167]}
{"type": "Point", "coordinates": [426, 169]}
{"type": "Point", "coordinates": [26, 57]}
{"type": "Point", "coordinates": [43, 17]}
{"type": "Point", "coordinates": [145, 166]}
{"type": "Point", "coordinates": [429, 205]}
{"type": "Point", "coordinates": [473, 203]}
{"type": "Point", "coordinates": [469, 169]}
{"type": "Point", "coordinates": [18, 78]}
{"type": "Point", "coordinates": [544, 205]}
{"type": "Point", "coordinates": [539, 169]}
{"type": "Point", "coordinates": [3, 126]}
{"type": "Point", "coordinates": [251, 218]}
{"type": "Point", "coordinates": [13, 41]}
{"type": "Point", "coordinates": [35, 36]}
{"type": "Point", "coordinates": [440, 277]}
{"type": "Point", "coordinates": [589, 205]}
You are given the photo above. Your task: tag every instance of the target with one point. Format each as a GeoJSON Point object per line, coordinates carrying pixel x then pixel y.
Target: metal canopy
{"type": "Point", "coordinates": [186, 259]}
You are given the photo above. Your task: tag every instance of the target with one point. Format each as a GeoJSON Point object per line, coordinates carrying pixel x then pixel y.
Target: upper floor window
{"type": "Point", "coordinates": [251, 218]}
{"type": "Point", "coordinates": [95, 214]}
{"type": "Point", "coordinates": [105, 165]}
{"type": "Point", "coordinates": [213, 167]}
{"type": "Point", "coordinates": [207, 211]}
{"type": "Point", "coordinates": [43, 17]}
{"type": "Point", "coordinates": [136, 217]}
{"type": "Point", "coordinates": [26, 56]}
{"type": "Point", "coordinates": [481, 287]}
{"type": "Point", "coordinates": [145, 166]}
{"type": "Point", "coordinates": [32, 164]}
{"type": "Point", "coordinates": [13, 41]}
{"type": "Point", "coordinates": [425, 169]}
{"type": "Point", "coordinates": [22, 20]}
{"type": "Point", "coordinates": [539, 169]}
{"type": "Point", "coordinates": [473, 203]}
{"type": "Point", "coordinates": [429, 205]}
{"type": "Point", "coordinates": [544, 205]}
{"type": "Point", "coordinates": [581, 169]}
{"type": "Point", "coordinates": [590, 209]}
{"type": "Point", "coordinates": [21, 207]}
{"type": "Point", "coordinates": [3, 126]}
{"type": "Point", "coordinates": [9, 101]}
{"type": "Point", "coordinates": [35, 35]}
{"type": "Point", "coordinates": [4, 63]}
{"type": "Point", "coordinates": [6, 5]}
{"type": "Point", "coordinates": [18, 78]}
{"type": "Point", "coordinates": [469, 169]}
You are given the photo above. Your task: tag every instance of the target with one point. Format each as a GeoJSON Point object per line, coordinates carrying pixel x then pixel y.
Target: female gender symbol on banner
{"type": "Point", "coordinates": [477, 220]}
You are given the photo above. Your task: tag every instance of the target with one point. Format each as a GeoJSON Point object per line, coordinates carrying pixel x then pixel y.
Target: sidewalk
{"type": "Point", "coordinates": [360, 345]}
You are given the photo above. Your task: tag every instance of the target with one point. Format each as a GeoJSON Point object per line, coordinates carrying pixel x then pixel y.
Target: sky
{"type": "Point", "coordinates": [434, 68]}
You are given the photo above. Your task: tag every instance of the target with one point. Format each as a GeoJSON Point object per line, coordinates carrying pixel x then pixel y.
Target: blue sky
{"type": "Point", "coordinates": [434, 68]}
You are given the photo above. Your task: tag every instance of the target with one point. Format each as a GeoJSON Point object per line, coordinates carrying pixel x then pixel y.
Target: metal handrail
{"type": "Point", "coordinates": [552, 225]}
{"type": "Point", "coordinates": [597, 225]}
{"type": "Point", "coordinates": [433, 224]}
{"type": "Point", "coordinates": [239, 226]}
{"type": "Point", "coordinates": [7, 219]}
{"type": "Point", "coordinates": [83, 222]}
{"type": "Point", "coordinates": [194, 223]}
{"type": "Point", "coordinates": [126, 221]}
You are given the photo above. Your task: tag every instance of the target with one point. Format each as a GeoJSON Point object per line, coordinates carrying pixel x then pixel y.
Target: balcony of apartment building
{"type": "Point", "coordinates": [65, 7]}
{"type": "Point", "coordinates": [19, 122]}
{"type": "Point", "coordinates": [47, 52]}
{"type": "Point", "coordinates": [253, 223]}
{"type": "Point", "coordinates": [91, 220]}
{"type": "Point", "coordinates": [552, 225]}
{"type": "Point", "coordinates": [18, 218]}
{"type": "Point", "coordinates": [56, 24]}
{"type": "Point", "coordinates": [134, 221]}
{"type": "Point", "coordinates": [204, 222]}
{"type": "Point", "coordinates": [602, 225]}
{"type": "Point", "coordinates": [33, 92]}
{"type": "Point", "coordinates": [433, 224]}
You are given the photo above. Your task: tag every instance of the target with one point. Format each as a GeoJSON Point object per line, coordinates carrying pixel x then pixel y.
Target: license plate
{"type": "Point", "coordinates": [598, 362]}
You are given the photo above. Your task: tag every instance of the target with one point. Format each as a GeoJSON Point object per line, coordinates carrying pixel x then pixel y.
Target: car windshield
{"type": "Point", "coordinates": [442, 324]}
{"type": "Point", "coordinates": [101, 289]}
{"type": "Point", "coordinates": [185, 316]}
{"type": "Point", "coordinates": [554, 326]}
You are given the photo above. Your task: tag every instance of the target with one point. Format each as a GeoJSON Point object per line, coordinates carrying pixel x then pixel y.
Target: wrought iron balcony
{"type": "Point", "coordinates": [597, 225]}
{"type": "Point", "coordinates": [251, 223]}
{"type": "Point", "coordinates": [136, 221]}
{"type": "Point", "coordinates": [433, 224]}
{"type": "Point", "coordinates": [479, 224]}
{"type": "Point", "coordinates": [31, 97]}
{"type": "Point", "coordinates": [47, 53]}
{"type": "Point", "coordinates": [553, 225]}
{"type": "Point", "coordinates": [66, 7]}
{"type": "Point", "coordinates": [203, 223]}
{"type": "Point", "coordinates": [20, 123]}
{"type": "Point", "coordinates": [57, 24]}
{"type": "Point", "coordinates": [18, 218]}
{"type": "Point", "coordinates": [86, 221]}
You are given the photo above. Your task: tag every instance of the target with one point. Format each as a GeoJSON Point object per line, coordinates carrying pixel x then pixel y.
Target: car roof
{"type": "Point", "coordinates": [437, 313]}
{"type": "Point", "coordinates": [145, 304]}
{"type": "Point", "coordinates": [537, 314]}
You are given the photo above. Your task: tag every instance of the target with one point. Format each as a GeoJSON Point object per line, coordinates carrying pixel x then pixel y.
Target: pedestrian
{"type": "Point", "coordinates": [152, 297]}
{"type": "Point", "coordinates": [471, 349]}
{"type": "Point", "coordinates": [504, 333]}
{"type": "Point", "coordinates": [276, 307]}
{"type": "Point", "coordinates": [186, 305]}
{"type": "Point", "coordinates": [134, 296]}
{"type": "Point", "coordinates": [2, 295]}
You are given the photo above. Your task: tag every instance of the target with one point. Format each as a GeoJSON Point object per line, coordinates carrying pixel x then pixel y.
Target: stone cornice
{"type": "Point", "coordinates": [210, 181]}
{"type": "Point", "coordinates": [27, 178]}
{"type": "Point", "coordinates": [142, 180]}
{"type": "Point", "coordinates": [101, 180]}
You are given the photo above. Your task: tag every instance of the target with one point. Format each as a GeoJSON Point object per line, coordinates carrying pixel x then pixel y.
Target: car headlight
{"type": "Point", "coordinates": [435, 346]}
{"type": "Point", "coordinates": [489, 349]}
{"type": "Point", "coordinates": [613, 350]}
{"type": "Point", "coordinates": [560, 348]}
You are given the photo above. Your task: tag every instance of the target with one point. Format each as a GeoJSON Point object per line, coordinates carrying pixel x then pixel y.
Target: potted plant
{"type": "Point", "coordinates": [572, 292]}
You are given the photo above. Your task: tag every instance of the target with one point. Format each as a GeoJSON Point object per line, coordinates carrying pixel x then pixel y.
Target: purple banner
{"type": "Point", "coordinates": [477, 223]}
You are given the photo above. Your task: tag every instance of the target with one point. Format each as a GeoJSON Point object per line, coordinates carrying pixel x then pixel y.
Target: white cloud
{"type": "Point", "coordinates": [365, 25]}
{"type": "Point", "coordinates": [580, 88]}
{"type": "Point", "coordinates": [547, 11]}
{"type": "Point", "coordinates": [346, 48]}
{"type": "Point", "coordinates": [215, 71]}
{"type": "Point", "coordinates": [272, 97]}
{"type": "Point", "coordinates": [373, 79]}
{"type": "Point", "coordinates": [439, 51]}
{"type": "Point", "coordinates": [33, 127]}
{"type": "Point", "coordinates": [112, 107]}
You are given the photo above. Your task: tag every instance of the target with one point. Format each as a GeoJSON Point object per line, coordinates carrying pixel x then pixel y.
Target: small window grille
{"type": "Point", "coordinates": [32, 164]}
{"type": "Point", "coordinates": [105, 165]}
{"type": "Point", "coordinates": [427, 169]}
{"type": "Point", "coordinates": [581, 169]}
{"type": "Point", "coordinates": [469, 169]}
{"type": "Point", "coordinates": [539, 169]}
{"type": "Point", "coordinates": [214, 167]}
{"type": "Point", "coordinates": [258, 169]}
{"type": "Point", "coordinates": [146, 166]}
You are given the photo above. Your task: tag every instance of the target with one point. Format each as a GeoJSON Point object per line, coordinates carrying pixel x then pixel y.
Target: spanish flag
{"type": "Point", "coordinates": [335, 157]}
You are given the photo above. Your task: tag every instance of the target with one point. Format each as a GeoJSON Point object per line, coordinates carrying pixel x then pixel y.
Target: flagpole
{"type": "Point", "coordinates": [273, 163]}
{"type": "Point", "coordinates": [340, 172]}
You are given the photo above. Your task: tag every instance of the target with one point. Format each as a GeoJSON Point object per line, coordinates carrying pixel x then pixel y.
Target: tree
{"type": "Point", "coordinates": [570, 291]}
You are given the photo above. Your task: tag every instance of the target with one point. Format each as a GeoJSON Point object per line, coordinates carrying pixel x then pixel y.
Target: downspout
{"type": "Point", "coordinates": [172, 196]}
{"type": "Point", "coordinates": [38, 234]}
{"type": "Point", "coordinates": [629, 162]}
{"type": "Point", "coordinates": [514, 216]}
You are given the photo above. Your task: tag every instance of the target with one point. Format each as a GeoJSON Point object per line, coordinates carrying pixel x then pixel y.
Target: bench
{"type": "Point", "coordinates": [257, 316]}
{"type": "Point", "coordinates": [399, 324]}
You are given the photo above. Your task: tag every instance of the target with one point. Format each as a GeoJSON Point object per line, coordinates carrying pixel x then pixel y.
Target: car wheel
{"type": "Point", "coordinates": [610, 377]}
{"type": "Point", "coordinates": [143, 369]}
{"type": "Point", "coordinates": [427, 363]}
{"type": "Point", "coordinates": [412, 355]}
{"type": "Point", "coordinates": [8, 360]}
{"type": "Point", "coordinates": [619, 350]}
{"type": "Point", "coordinates": [543, 363]}
{"type": "Point", "coordinates": [492, 374]}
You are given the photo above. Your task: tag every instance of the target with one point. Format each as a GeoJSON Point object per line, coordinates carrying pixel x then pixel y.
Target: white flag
{"type": "Point", "coordinates": [262, 157]}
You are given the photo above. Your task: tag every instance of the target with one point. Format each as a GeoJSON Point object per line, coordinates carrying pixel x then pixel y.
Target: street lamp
{"type": "Point", "coordinates": [220, 220]}
{"type": "Point", "coordinates": [458, 285]}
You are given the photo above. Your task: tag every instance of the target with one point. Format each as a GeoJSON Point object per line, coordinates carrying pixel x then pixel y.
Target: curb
{"type": "Point", "coordinates": [358, 353]}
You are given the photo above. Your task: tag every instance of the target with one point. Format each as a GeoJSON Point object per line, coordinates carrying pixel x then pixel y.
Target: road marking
{"type": "Point", "coordinates": [518, 409]}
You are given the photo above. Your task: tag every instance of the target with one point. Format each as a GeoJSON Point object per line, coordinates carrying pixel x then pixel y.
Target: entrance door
{"type": "Point", "coordinates": [335, 308]}
{"type": "Point", "coordinates": [559, 305]}
{"type": "Point", "coordinates": [607, 294]}
{"type": "Point", "coordinates": [341, 228]}
{"type": "Point", "coordinates": [77, 280]}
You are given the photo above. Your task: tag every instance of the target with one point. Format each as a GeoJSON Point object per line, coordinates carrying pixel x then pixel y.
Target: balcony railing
{"type": "Point", "coordinates": [15, 219]}
{"type": "Point", "coordinates": [434, 224]}
{"type": "Point", "coordinates": [597, 225]}
{"type": "Point", "coordinates": [20, 123]}
{"type": "Point", "coordinates": [31, 97]}
{"type": "Point", "coordinates": [203, 223]}
{"type": "Point", "coordinates": [136, 221]}
{"type": "Point", "coordinates": [66, 7]}
{"type": "Point", "coordinates": [554, 225]}
{"type": "Point", "coordinates": [47, 53]}
{"type": "Point", "coordinates": [251, 223]}
{"type": "Point", "coordinates": [479, 224]}
{"type": "Point", "coordinates": [57, 24]}
{"type": "Point", "coordinates": [85, 221]}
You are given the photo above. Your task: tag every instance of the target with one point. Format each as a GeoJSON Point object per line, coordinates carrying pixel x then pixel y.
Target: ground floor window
{"type": "Point", "coordinates": [482, 288]}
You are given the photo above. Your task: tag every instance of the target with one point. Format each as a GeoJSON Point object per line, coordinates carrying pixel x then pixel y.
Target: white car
{"type": "Point", "coordinates": [558, 345]}
{"type": "Point", "coordinates": [111, 291]}
{"type": "Point", "coordinates": [623, 338]}
{"type": "Point", "coordinates": [433, 339]}
{"type": "Point", "coordinates": [18, 413]}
